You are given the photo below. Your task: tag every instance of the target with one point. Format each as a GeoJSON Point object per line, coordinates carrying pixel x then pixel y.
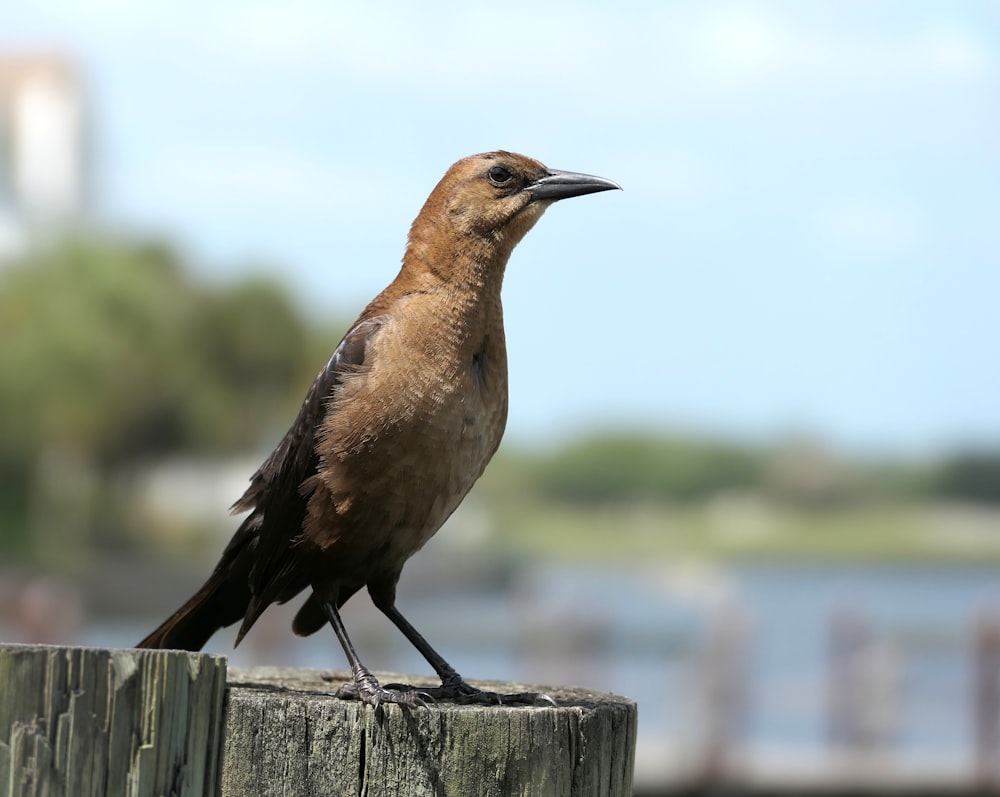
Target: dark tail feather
{"type": "Point", "coordinates": [309, 619]}
{"type": "Point", "coordinates": [220, 602]}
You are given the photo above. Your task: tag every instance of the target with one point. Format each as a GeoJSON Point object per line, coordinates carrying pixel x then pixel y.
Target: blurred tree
{"type": "Point", "coordinates": [83, 329]}
{"type": "Point", "coordinates": [627, 467]}
{"type": "Point", "coordinates": [970, 476]}
{"type": "Point", "coordinates": [114, 355]}
{"type": "Point", "coordinates": [806, 473]}
{"type": "Point", "coordinates": [13, 504]}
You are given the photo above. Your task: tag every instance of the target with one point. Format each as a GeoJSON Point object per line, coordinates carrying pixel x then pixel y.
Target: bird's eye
{"type": "Point", "coordinates": [499, 175]}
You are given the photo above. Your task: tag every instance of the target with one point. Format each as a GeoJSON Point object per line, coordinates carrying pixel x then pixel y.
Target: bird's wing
{"type": "Point", "coordinates": [275, 497]}
{"type": "Point", "coordinates": [295, 459]}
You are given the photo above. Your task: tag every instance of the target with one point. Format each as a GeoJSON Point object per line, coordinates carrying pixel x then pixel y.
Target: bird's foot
{"type": "Point", "coordinates": [367, 689]}
{"type": "Point", "coordinates": [456, 689]}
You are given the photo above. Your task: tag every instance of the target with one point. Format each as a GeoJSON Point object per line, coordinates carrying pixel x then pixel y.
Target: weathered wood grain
{"type": "Point", "coordinates": [76, 722]}
{"type": "Point", "coordinates": [287, 735]}
{"type": "Point", "coordinates": [80, 722]}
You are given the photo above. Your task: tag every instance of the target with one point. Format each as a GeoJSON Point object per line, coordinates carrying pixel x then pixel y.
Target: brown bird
{"type": "Point", "coordinates": [393, 433]}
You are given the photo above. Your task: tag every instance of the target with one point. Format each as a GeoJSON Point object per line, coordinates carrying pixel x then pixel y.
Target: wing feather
{"type": "Point", "coordinates": [275, 498]}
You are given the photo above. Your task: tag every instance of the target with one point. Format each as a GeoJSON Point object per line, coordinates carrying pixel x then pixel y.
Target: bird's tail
{"type": "Point", "coordinates": [220, 602]}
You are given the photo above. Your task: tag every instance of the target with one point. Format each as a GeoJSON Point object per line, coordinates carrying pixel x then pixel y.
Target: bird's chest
{"type": "Point", "coordinates": [452, 410]}
{"type": "Point", "coordinates": [441, 380]}
{"type": "Point", "coordinates": [413, 433]}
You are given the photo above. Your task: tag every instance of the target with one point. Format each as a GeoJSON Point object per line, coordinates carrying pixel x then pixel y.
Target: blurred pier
{"type": "Point", "coordinates": [753, 679]}
{"type": "Point", "coordinates": [868, 700]}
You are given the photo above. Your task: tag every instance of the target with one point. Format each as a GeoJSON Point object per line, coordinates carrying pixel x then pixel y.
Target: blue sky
{"type": "Point", "coordinates": [808, 240]}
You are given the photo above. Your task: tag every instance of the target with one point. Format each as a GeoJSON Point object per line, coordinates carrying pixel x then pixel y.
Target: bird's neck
{"type": "Point", "coordinates": [462, 266]}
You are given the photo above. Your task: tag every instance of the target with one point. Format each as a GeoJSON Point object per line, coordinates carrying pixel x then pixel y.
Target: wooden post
{"type": "Point", "coordinates": [986, 698]}
{"type": "Point", "coordinates": [288, 735]}
{"type": "Point", "coordinates": [724, 672]}
{"type": "Point", "coordinates": [76, 722]}
{"type": "Point", "coordinates": [864, 692]}
{"type": "Point", "coordinates": [82, 722]}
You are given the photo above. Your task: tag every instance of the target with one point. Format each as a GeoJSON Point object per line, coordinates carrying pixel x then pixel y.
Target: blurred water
{"type": "Point", "coordinates": [646, 632]}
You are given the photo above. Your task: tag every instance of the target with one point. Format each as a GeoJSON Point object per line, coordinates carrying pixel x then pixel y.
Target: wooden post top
{"type": "Point", "coordinates": [85, 721]}
{"type": "Point", "coordinates": [287, 720]}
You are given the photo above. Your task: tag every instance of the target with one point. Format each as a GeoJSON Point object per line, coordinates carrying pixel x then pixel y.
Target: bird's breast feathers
{"type": "Point", "coordinates": [422, 410]}
{"type": "Point", "coordinates": [430, 390]}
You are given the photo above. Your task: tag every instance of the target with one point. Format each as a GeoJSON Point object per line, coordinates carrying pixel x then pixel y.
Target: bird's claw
{"type": "Point", "coordinates": [532, 699]}
{"type": "Point", "coordinates": [367, 689]}
{"type": "Point", "coordinates": [457, 690]}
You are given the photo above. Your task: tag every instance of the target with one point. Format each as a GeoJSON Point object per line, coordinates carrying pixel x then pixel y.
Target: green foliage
{"type": "Point", "coordinates": [112, 355]}
{"type": "Point", "coordinates": [748, 527]}
{"type": "Point", "coordinates": [84, 330]}
{"type": "Point", "coordinates": [115, 350]}
{"type": "Point", "coordinates": [620, 468]}
{"type": "Point", "coordinates": [13, 504]}
{"type": "Point", "coordinates": [628, 468]}
{"type": "Point", "coordinates": [973, 476]}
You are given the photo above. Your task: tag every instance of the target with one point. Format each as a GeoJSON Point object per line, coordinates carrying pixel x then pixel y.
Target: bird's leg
{"type": "Point", "coordinates": [366, 687]}
{"type": "Point", "coordinates": [453, 686]}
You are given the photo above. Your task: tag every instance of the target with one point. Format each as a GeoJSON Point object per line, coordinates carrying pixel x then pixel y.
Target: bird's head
{"type": "Point", "coordinates": [493, 199]}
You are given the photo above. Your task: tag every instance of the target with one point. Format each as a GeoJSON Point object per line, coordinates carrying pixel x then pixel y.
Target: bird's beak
{"type": "Point", "coordinates": [563, 185]}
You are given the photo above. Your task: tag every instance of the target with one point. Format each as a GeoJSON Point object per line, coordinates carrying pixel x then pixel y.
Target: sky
{"type": "Point", "coordinates": [808, 240]}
